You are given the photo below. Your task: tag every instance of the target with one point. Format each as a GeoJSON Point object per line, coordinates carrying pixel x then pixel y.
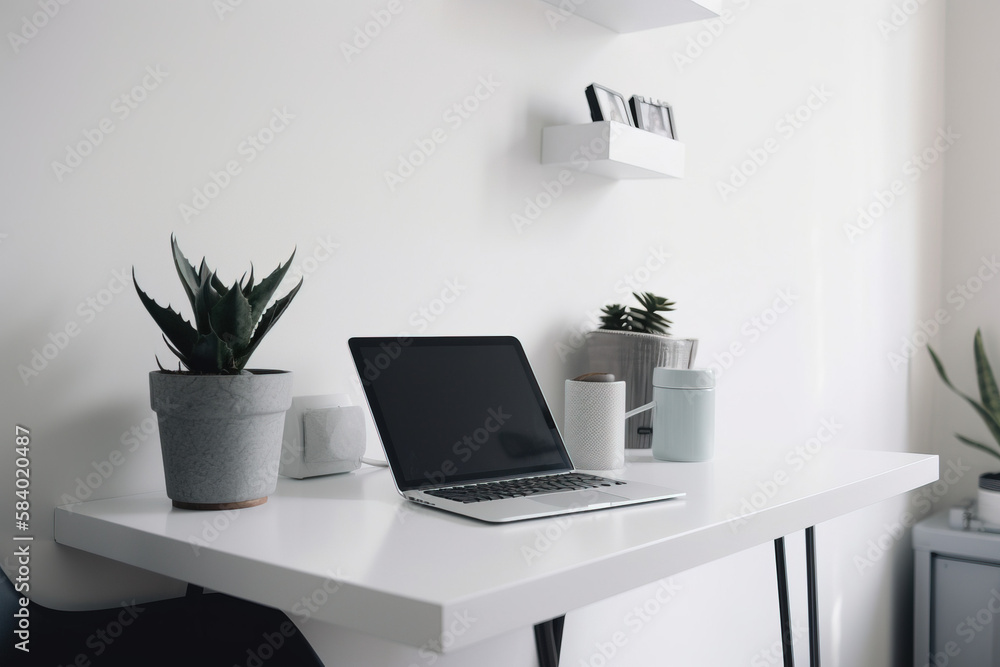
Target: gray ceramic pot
{"type": "Point", "coordinates": [220, 435]}
{"type": "Point", "coordinates": [632, 357]}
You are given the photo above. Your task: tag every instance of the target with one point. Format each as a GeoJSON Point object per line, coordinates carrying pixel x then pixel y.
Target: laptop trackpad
{"type": "Point", "coordinates": [586, 498]}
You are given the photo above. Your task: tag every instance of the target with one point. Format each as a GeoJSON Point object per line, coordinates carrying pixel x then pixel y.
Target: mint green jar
{"type": "Point", "coordinates": [684, 418]}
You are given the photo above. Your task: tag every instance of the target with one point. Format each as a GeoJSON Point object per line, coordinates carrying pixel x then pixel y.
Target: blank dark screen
{"type": "Point", "coordinates": [457, 411]}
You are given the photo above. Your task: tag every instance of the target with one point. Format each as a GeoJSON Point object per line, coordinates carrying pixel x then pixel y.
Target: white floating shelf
{"type": "Point", "coordinates": [635, 15]}
{"type": "Point", "coordinates": [614, 150]}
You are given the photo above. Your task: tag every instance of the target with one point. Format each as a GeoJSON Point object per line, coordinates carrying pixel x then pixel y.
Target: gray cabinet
{"type": "Point", "coordinates": [956, 596]}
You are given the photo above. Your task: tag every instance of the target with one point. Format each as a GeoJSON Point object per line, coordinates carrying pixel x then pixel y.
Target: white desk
{"type": "Point", "coordinates": [404, 573]}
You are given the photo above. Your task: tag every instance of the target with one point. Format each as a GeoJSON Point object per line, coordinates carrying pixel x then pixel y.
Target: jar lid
{"type": "Point", "coordinates": [990, 481]}
{"type": "Point", "coordinates": [684, 378]}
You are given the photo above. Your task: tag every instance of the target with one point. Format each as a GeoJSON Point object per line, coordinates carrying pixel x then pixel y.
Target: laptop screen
{"type": "Point", "coordinates": [457, 409]}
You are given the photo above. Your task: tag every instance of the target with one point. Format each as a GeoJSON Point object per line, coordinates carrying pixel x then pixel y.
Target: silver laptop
{"type": "Point", "coordinates": [466, 429]}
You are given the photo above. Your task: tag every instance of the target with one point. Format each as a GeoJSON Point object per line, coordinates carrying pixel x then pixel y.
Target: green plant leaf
{"type": "Point", "coordinates": [174, 327]}
{"type": "Point", "coordinates": [648, 319]}
{"type": "Point", "coordinates": [991, 422]}
{"type": "Point", "coordinates": [211, 355]}
{"type": "Point", "coordinates": [652, 302]}
{"type": "Point", "coordinates": [206, 273]}
{"type": "Point", "coordinates": [262, 293]}
{"type": "Point", "coordinates": [978, 445]}
{"type": "Point", "coordinates": [940, 368]}
{"type": "Point", "coordinates": [615, 318]}
{"type": "Point", "coordinates": [188, 275]}
{"type": "Point", "coordinates": [231, 320]}
{"type": "Point", "coordinates": [177, 353]}
{"type": "Point", "coordinates": [987, 383]}
{"type": "Point", "coordinates": [249, 286]}
{"type": "Point", "coordinates": [266, 322]}
{"type": "Point", "coordinates": [649, 322]}
{"type": "Point", "coordinates": [218, 285]}
{"type": "Point", "coordinates": [205, 300]}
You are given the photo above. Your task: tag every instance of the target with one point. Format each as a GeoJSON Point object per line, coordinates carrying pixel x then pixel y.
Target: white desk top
{"type": "Point", "coordinates": [370, 561]}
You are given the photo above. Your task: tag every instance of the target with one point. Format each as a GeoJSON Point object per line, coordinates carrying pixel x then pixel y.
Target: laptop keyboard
{"type": "Point", "coordinates": [517, 488]}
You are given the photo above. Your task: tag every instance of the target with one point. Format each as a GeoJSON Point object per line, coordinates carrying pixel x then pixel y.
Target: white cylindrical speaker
{"type": "Point", "coordinates": [595, 424]}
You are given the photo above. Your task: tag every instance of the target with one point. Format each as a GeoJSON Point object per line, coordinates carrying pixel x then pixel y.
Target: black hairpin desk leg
{"type": "Point", "coordinates": [548, 641]}
{"type": "Point", "coordinates": [811, 587]}
{"type": "Point", "coordinates": [548, 635]}
{"type": "Point", "coordinates": [783, 607]}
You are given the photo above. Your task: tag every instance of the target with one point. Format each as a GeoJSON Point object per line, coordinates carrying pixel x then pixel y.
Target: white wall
{"type": "Point", "coordinates": [971, 234]}
{"type": "Point", "coordinates": [854, 296]}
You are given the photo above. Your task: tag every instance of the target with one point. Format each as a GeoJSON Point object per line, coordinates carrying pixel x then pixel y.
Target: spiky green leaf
{"type": "Point", "coordinates": [651, 302]}
{"type": "Point", "coordinates": [218, 285]}
{"type": "Point", "coordinates": [205, 301]}
{"type": "Point", "coordinates": [249, 285]}
{"type": "Point", "coordinates": [231, 320]}
{"type": "Point", "coordinates": [940, 368]}
{"type": "Point", "coordinates": [978, 445]}
{"type": "Point", "coordinates": [260, 295]}
{"type": "Point", "coordinates": [648, 319]}
{"type": "Point", "coordinates": [615, 317]}
{"type": "Point", "coordinates": [205, 273]}
{"type": "Point", "coordinates": [186, 271]}
{"type": "Point", "coordinates": [267, 321]}
{"type": "Point", "coordinates": [177, 353]}
{"type": "Point", "coordinates": [211, 355]}
{"type": "Point", "coordinates": [992, 423]}
{"type": "Point", "coordinates": [174, 327]}
{"type": "Point", "coordinates": [987, 383]}
{"type": "Point", "coordinates": [649, 322]}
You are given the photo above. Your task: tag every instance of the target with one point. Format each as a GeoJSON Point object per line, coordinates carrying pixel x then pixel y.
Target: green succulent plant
{"type": "Point", "coordinates": [229, 323]}
{"type": "Point", "coordinates": [646, 319]}
{"type": "Point", "coordinates": [988, 407]}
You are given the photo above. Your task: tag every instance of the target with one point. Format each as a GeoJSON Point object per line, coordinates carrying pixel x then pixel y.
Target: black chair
{"type": "Point", "coordinates": [196, 630]}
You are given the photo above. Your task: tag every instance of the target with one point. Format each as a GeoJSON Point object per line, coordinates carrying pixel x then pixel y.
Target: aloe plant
{"type": "Point", "coordinates": [646, 319]}
{"type": "Point", "coordinates": [229, 323]}
{"type": "Point", "coordinates": [988, 408]}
